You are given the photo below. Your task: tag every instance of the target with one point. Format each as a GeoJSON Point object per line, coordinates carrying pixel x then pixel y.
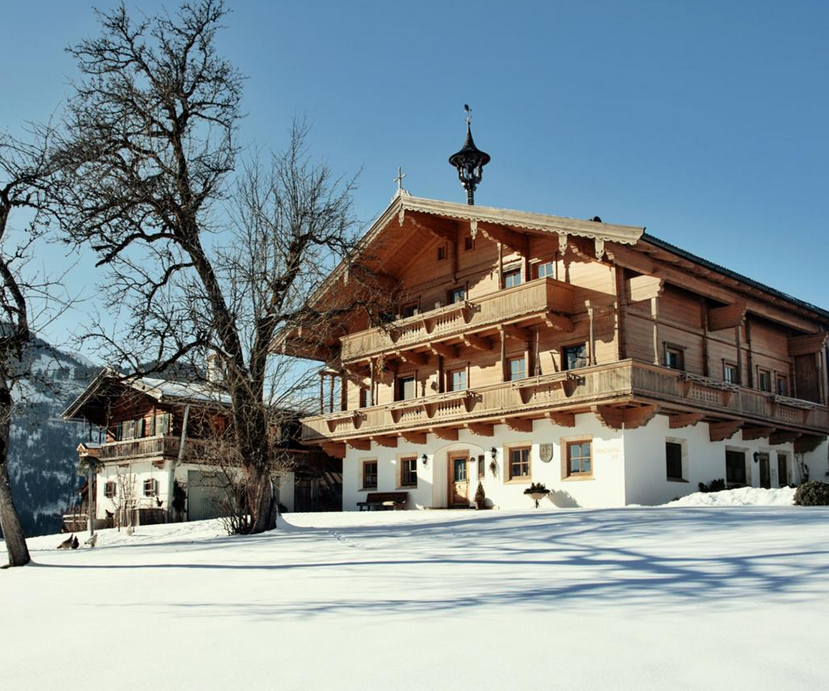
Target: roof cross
{"type": "Point", "coordinates": [399, 179]}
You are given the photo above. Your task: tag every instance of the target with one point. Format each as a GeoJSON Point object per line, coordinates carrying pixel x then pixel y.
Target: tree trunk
{"type": "Point", "coordinates": [9, 520]}
{"type": "Point", "coordinates": [261, 501]}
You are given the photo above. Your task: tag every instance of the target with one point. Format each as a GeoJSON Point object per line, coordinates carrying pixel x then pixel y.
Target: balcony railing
{"type": "Point", "coordinates": [506, 306]}
{"type": "Point", "coordinates": [576, 389]}
{"type": "Point", "coordinates": [149, 447]}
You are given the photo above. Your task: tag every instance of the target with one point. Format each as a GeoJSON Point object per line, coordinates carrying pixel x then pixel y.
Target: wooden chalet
{"type": "Point", "coordinates": [595, 358]}
{"type": "Point", "coordinates": [154, 446]}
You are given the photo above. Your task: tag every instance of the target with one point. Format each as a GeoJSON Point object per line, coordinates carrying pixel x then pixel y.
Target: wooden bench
{"type": "Point", "coordinates": [383, 501]}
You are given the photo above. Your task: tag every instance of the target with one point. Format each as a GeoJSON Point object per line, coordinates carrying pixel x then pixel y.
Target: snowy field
{"type": "Point", "coordinates": [644, 598]}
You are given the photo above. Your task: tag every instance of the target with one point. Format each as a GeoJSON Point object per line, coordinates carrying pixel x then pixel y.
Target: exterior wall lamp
{"type": "Point", "coordinates": [425, 460]}
{"type": "Point", "coordinates": [493, 452]}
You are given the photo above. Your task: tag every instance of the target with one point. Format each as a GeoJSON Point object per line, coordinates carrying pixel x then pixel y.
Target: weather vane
{"type": "Point", "coordinates": [469, 161]}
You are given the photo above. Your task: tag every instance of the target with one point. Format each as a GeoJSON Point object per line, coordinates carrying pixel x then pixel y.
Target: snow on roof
{"type": "Point", "coordinates": [193, 391]}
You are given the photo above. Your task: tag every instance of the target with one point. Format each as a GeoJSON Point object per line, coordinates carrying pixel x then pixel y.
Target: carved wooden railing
{"type": "Point", "coordinates": [149, 447]}
{"type": "Point", "coordinates": [582, 387]}
{"type": "Point", "coordinates": [540, 295]}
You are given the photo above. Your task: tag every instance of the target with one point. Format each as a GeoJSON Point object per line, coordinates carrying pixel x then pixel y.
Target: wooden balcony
{"type": "Point", "coordinates": [159, 447]}
{"type": "Point", "coordinates": [535, 300]}
{"type": "Point", "coordinates": [611, 391]}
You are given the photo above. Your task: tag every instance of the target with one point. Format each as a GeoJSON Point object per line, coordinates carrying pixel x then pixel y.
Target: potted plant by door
{"type": "Point", "coordinates": [537, 491]}
{"type": "Point", "coordinates": [480, 497]}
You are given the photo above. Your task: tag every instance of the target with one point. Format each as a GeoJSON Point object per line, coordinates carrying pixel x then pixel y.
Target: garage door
{"type": "Point", "coordinates": [205, 492]}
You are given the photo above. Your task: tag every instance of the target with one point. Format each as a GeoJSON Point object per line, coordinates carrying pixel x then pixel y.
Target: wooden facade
{"type": "Point", "coordinates": [506, 318]}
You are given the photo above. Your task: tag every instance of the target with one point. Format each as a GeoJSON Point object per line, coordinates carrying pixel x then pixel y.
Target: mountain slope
{"type": "Point", "coordinates": [43, 448]}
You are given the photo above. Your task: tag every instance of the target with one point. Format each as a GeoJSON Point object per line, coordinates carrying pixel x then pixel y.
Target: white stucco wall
{"type": "Point", "coordinates": [605, 488]}
{"type": "Point", "coordinates": [629, 467]}
{"type": "Point", "coordinates": [703, 460]}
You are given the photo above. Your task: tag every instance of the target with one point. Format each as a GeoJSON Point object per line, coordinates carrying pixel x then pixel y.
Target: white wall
{"type": "Point", "coordinates": [629, 467]}
{"type": "Point", "coordinates": [605, 488]}
{"type": "Point", "coordinates": [704, 461]}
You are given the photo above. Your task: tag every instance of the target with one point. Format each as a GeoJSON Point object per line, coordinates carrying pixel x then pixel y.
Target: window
{"type": "Point", "coordinates": [456, 380]}
{"type": "Point", "coordinates": [129, 429]}
{"type": "Point", "coordinates": [140, 428]}
{"type": "Point", "coordinates": [516, 369]}
{"type": "Point", "coordinates": [782, 469]}
{"type": "Point", "coordinates": [408, 471]}
{"type": "Point", "coordinates": [674, 357]}
{"type": "Point", "coordinates": [365, 397]}
{"type": "Point", "coordinates": [673, 460]}
{"type": "Point", "coordinates": [150, 488]}
{"type": "Point", "coordinates": [730, 373]}
{"type": "Point", "coordinates": [481, 467]}
{"type": "Point", "coordinates": [162, 423]}
{"type": "Point", "coordinates": [512, 278]}
{"type": "Point", "coordinates": [782, 385]}
{"type": "Point", "coordinates": [408, 310]}
{"type": "Point", "coordinates": [735, 468]}
{"type": "Point", "coordinates": [763, 380]}
{"type": "Point", "coordinates": [519, 463]}
{"type": "Point", "coordinates": [369, 474]}
{"type": "Point", "coordinates": [109, 490]}
{"type": "Point", "coordinates": [543, 270]}
{"type": "Point", "coordinates": [579, 458]}
{"type": "Point", "coordinates": [457, 295]}
{"type": "Point", "coordinates": [468, 243]}
{"type": "Point", "coordinates": [574, 356]}
{"type": "Point", "coordinates": [441, 252]}
{"type": "Point", "coordinates": [405, 388]}
{"type": "Point", "coordinates": [118, 431]}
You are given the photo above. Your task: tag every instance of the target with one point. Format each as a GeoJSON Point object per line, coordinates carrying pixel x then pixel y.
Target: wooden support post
{"type": "Point", "coordinates": [330, 393]}
{"type": "Point", "coordinates": [655, 317]}
{"type": "Point", "coordinates": [503, 356]}
{"type": "Point", "coordinates": [738, 331]}
{"type": "Point", "coordinates": [704, 315]}
{"type": "Point", "coordinates": [592, 334]}
{"type": "Point", "coordinates": [322, 394]}
{"type": "Point", "coordinates": [750, 358]}
{"type": "Point", "coordinates": [621, 307]}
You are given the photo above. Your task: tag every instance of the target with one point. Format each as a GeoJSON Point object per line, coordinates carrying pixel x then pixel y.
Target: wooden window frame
{"type": "Point", "coordinates": [468, 243]}
{"type": "Point", "coordinates": [678, 349]}
{"type": "Point", "coordinates": [401, 462]}
{"type": "Point", "coordinates": [510, 271]}
{"type": "Point", "coordinates": [518, 479]}
{"type": "Point", "coordinates": [508, 368]}
{"type": "Point", "coordinates": [110, 489]}
{"type": "Point", "coordinates": [575, 344]}
{"type": "Point", "coordinates": [781, 378]}
{"type": "Point", "coordinates": [363, 486]}
{"type": "Point", "coordinates": [768, 373]}
{"type": "Point", "coordinates": [398, 385]}
{"type": "Point", "coordinates": [413, 305]}
{"type": "Point", "coordinates": [733, 365]}
{"type": "Point", "coordinates": [449, 386]}
{"type": "Point", "coordinates": [746, 473]}
{"type": "Point", "coordinates": [566, 445]}
{"type": "Point", "coordinates": [537, 266]}
{"type": "Point", "coordinates": [784, 456]}
{"type": "Point", "coordinates": [441, 253]}
{"type": "Point", "coordinates": [152, 483]}
{"type": "Point", "coordinates": [450, 293]}
{"type": "Point", "coordinates": [683, 460]}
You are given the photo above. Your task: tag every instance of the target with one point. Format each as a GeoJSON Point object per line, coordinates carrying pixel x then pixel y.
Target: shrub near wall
{"type": "Point", "coordinates": [812, 493]}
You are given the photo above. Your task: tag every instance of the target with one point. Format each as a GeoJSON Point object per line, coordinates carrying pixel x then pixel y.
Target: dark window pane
{"type": "Point", "coordinates": [574, 356]}
{"type": "Point", "coordinates": [673, 460]}
{"type": "Point", "coordinates": [512, 278]}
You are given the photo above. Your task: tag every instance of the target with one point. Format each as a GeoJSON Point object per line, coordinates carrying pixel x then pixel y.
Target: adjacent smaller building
{"type": "Point", "coordinates": [157, 449]}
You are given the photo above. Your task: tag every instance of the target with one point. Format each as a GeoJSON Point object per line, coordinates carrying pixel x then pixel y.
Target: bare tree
{"type": "Point", "coordinates": [150, 156]}
{"type": "Point", "coordinates": [24, 171]}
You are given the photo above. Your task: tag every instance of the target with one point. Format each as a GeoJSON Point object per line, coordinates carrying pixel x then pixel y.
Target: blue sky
{"type": "Point", "coordinates": [704, 121]}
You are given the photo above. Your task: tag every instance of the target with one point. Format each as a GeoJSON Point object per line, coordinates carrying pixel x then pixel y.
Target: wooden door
{"type": "Point", "coordinates": [765, 471]}
{"type": "Point", "coordinates": [459, 479]}
{"type": "Point", "coordinates": [782, 470]}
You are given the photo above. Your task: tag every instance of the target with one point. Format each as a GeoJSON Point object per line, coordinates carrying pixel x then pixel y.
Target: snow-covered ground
{"type": "Point", "coordinates": [744, 496]}
{"type": "Point", "coordinates": [640, 599]}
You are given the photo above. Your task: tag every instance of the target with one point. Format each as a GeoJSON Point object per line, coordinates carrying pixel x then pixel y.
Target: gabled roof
{"type": "Point", "coordinates": [162, 390]}
{"type": "Point", "coordinates": [403, 204]}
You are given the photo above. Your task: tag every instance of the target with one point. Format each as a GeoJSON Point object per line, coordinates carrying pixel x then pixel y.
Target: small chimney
{"type": "Point", "coordinates": [214, 370]}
